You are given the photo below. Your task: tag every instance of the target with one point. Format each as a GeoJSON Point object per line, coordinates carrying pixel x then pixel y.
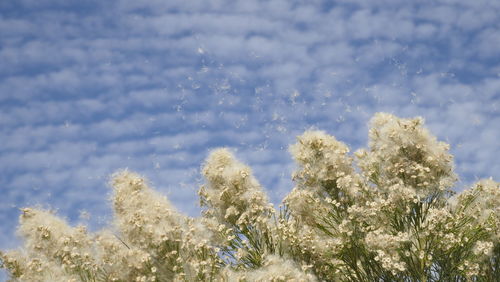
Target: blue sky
{"type": "Point", "coordinates": [89, 87]}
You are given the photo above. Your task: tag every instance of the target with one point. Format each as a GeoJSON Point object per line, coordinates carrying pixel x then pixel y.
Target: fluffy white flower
{"type": "Point", "coordinates": [232, 195]}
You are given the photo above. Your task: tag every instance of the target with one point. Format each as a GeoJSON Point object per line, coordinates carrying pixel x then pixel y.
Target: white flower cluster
{"type": "Point", "coordinates": [322, 161]}
{"type": "Point", "coordinates": [274, 269]}
{"type": "Point", "coordinates": [387, 247]}
{"type": "Point", "coordinates": [164, 242]}
{"type": "Point", "coordinates": [384, 214]}
{"type": "Point", "coordinates": [144, 217]}
{"type": "Point", "coordinates": [482, 202]}
{"type": "Point", "coordinates": [233, 196]}
{"type": "Point", "coordinates": [52, 248]}
{"type": "Point", "coordinates": [405, 153]}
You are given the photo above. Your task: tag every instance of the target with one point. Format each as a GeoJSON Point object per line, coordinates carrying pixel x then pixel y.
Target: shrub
{"type": "Point", "coordinates": [386, 213]}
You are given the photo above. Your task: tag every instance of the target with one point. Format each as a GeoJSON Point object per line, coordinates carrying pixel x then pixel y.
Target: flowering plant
{"type": "Point", "coordinates": [386, 213]}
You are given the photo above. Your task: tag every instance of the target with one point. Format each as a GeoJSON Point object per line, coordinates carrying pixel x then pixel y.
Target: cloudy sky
{"type": "Point", "coordinates": [89, 87]}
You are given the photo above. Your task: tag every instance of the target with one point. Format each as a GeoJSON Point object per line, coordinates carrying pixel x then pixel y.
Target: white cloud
{"type": "Point", "coordinates": [487, 40]}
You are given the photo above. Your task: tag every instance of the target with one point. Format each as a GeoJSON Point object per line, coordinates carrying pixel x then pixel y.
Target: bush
{"type": "Point", "coordinates": [390, 217]}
